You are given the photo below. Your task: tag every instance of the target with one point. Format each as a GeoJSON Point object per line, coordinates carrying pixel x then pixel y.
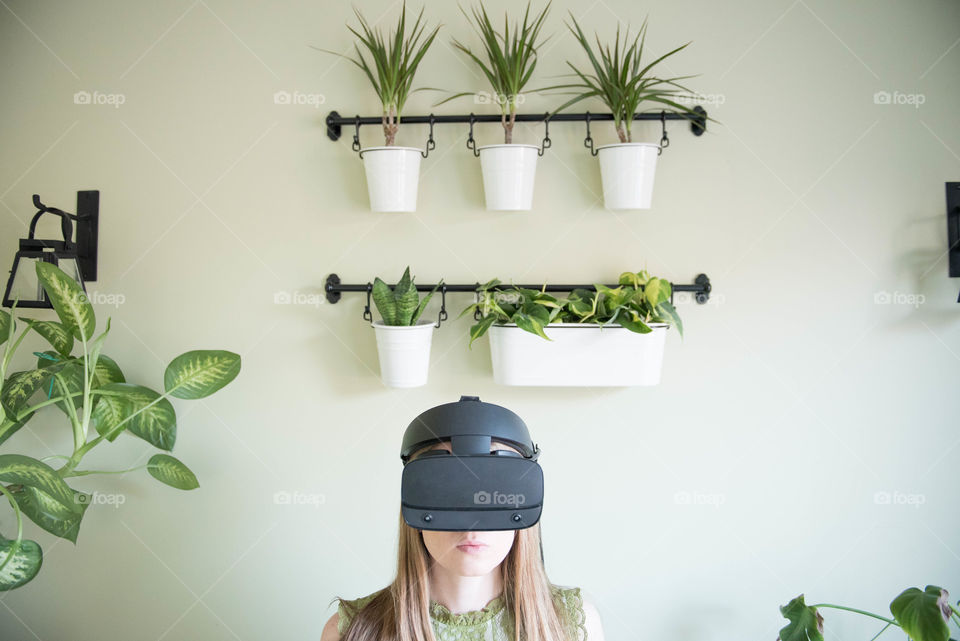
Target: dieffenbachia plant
{"type": "Point", "coordinates": [640, 299]}
{"type": "Point", "coordinates": [91, 390]}
{"type": "Point", "coordinates": [400, 305]}
{"type": "Point", "coordinates": [922, 615]}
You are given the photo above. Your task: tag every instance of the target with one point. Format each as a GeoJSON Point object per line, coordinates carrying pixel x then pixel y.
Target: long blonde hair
{"type": "Point", "coordinates": [400, 611]}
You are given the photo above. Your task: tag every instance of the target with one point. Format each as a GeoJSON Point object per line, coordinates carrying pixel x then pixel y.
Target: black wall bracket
{"type": "Point", "coordinates": [953, 229]}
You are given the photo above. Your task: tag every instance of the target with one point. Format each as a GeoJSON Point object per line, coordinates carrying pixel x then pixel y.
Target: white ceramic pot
{"type": "Point", "coordinates": [392, 177]}
{"type": "Point", "coordinates": [627, 170]}
{"type": "Point", "coordinates": [508, 175]}
{"type": "Point", "coordinates": [580, 354]}
{"type": "Point", "coordinates": [404, 352]}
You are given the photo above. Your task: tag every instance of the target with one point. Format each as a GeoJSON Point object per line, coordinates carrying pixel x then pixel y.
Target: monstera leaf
{"type": "Point", "coordinates": [806, 624]}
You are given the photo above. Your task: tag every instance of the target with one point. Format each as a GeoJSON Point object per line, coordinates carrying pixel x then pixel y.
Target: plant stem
{"type": "Point", "coordinates": [16, 509]}
{"type": "Point", "coordinates": [880, 632]}
{"type": "Point", "coordinates": [869, 614]}
{"type": "Point", "coordinates": [86, 472]}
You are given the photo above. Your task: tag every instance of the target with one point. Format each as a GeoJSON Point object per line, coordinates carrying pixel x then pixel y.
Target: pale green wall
{"type": "Point", "coordinates": [793, 399]}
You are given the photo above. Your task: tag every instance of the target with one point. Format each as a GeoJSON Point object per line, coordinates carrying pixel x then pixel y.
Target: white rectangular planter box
{"type": "Point", "coordinates": [580, 354]}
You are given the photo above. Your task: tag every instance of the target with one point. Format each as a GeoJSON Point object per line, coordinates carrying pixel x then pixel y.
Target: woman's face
{"type": "Point", "coordinates": [448, 550]}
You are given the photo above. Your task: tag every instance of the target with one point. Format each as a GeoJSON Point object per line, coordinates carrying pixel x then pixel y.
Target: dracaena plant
{"type": "Point", "coordinates": [619, 80]}
{"type": "Point", "coordinates": [922, 615]}
{"type": "Point", "coordinates": [509, 60]}
{"type": "Point", "coordinates": [640, 299]}
{"type": "Point", "coordinates": [401, 304]}
{"type": "Point", "coordinates": [394, 62]}
{"type": "Point", "coordinates": [90, 389]}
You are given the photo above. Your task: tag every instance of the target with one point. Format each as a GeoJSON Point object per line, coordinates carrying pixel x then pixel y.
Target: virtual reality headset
{"type": "Point", "coordinates": [470, 488]}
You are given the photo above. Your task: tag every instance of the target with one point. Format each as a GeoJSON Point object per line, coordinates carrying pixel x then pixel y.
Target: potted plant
{"type": "Point", "coordinates": [922, 615]}
{"type": "Point", "coordinates": [508, 169]}
{"type": "Point", "coordinates": [392, 171]}
{"type": "Point", "coordinates": [403, 341]}
{"type": "Point", "coordinates": [604, 337]}
{"type": "Point", "coordinates": [627, 168]}
{"type": "Point", "coordinates": [90, 389]}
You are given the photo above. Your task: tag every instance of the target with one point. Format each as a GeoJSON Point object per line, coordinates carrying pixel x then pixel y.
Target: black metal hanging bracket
{"type": "Point", "coordinates": [953, 230]}
{"type": "Point", "coordinates": [85, 244]}
{"type": "Point", "coordinates": [335, 122]}
{"type": "Point", "coordinates": [334, 288]}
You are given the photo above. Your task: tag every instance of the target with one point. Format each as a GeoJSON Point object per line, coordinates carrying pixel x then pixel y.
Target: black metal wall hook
{"type": "Point", "coordinates": [443, 304]}
{"type": "Point", "coordinates": [430, 143]}
{"type": "Point", "coordinates": [664, 141]}
{"type": "Point", "coordinates": [367, 315]}
{"type": "Point", "coordinates": [471, 143]}
{"type": "Point", "coordinates": [356, 137]}
{"type": "Point", "coordinates": [546, 134]}
{"type": "Point", "coordinates": [588, 141]}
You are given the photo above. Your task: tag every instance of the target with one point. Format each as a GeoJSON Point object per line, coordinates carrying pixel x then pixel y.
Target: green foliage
{"type": "Point", "coordinates": [639, 300]}
{"type": "Point", "coordinates": [400, 305]}
{"type": "Point", "coordinates": [922, 615]}
{"type": "Point", "coordinates": [87, 388]}
{"type": "Point", "coordinates": [394, 63]}
{"type": "Point", "coordinates": [509, 61]}
{"type": "Point", "coordinates": [619, 80]}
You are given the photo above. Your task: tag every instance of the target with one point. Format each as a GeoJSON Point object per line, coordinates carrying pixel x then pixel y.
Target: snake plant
{"type": "Point", "coordinates": [619, 81]}
{"type": "Point", "coordinates": [394, 63]}
{"type": "Point", "coordinates": [640, 299]}
{"type": "Point", "coordinates": [510, 61]}
{"type": "Point", "coordinates": [90, 390]}
{"type": "Point", "coordinates": [400, 305]}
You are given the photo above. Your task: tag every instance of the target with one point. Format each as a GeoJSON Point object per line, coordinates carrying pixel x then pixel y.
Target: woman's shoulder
{"type": "Point", "coordinates": [580, 613]}
{"type": "Point", "coordinates": [348, 608]}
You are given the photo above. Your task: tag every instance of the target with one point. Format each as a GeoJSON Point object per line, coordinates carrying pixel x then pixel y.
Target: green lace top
{"type": "Point", "coordinates": [492, 623]}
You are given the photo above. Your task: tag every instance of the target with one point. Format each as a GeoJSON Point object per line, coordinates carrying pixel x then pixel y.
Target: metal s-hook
{"type": "Point", "coordinates": [476, 310]}
{"type": "Point", "coordinates": [546, 134]}
{"type": "Point", "coordinates": [588, 141]}
{"type": "Point", "coordinates": [367, 316]}
{"type": "Point", "coordinates": [430, 143]}
{"type": "Point", "coordinates": [471, 143]}
{"type": "Point", "coordinates": [664, 141]}
{"type": "Point", "coordinates": [356, 137]}
{"type": "Point", "coordinates": [443, 304]}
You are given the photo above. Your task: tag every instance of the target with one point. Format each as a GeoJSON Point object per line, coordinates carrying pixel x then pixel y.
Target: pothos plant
{"type": "Point", "coordinates": [509, 61]}
{"type": "Point", "coordinates": [394, 62]}
{"type": "Point", "coordinates": [400, 305]}
{"type": "Point", "coordinates": [90, 389]}
{"type": "Point", "coordinates": [640, 299]}
{"type": "Point", "coordinates": [922, 615]}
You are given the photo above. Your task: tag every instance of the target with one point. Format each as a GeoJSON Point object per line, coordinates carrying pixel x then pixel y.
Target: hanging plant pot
{"type": "Point", "coordinates": [579, 354]}
{"type": "Point", "coordinates": [627, 170]}
{"type": "Point", "coordinates": [392, 177]}
{"type": "Point", "coordinates": [404, 352]}
{"type": "Point", "coordinates": [508, 175]}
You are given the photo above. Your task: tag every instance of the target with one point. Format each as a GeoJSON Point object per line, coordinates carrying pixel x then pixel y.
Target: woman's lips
{"type": "Point", "coordinates": [472, 548]}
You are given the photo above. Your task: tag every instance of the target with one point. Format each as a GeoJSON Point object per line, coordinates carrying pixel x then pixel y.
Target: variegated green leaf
{"type": "Point", "coordinates": [6, 325]}
{"type": "Point", "coordinates": [157, 424]}
{"type": "Point", "coordinates": [23, 565]}
{"type": "Point", "coordinates": [20, 387]}
{"type": "Point", "coordinates": [50, 514]}
{"type": "Point", "coordinates": [107, 371]}
{"type": "Point", "coordinates": [169, 470]}
{"type": "Point", "coordinates": [384, 301]}
{"type": "Point", "coordinates": [68, 299]}
{"type": "Point", "coordinates": [68, 379]}
{"type": "Point", "coordinates": [24, 470]}
{"type": "Point", "coordinates": [670, 312]}
{"type": "Point", "coordinates": [55, 333]}
{"type": "Point", "coordinates": [656, 291]}
{"type": "Point", "coordinates": [9, 427]}
{"type": "Point", "coordinates": [200, 373]}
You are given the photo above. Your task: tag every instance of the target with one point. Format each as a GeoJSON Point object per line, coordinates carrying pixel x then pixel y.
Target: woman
{"type": "Point", "coordinates": [494, 589]}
